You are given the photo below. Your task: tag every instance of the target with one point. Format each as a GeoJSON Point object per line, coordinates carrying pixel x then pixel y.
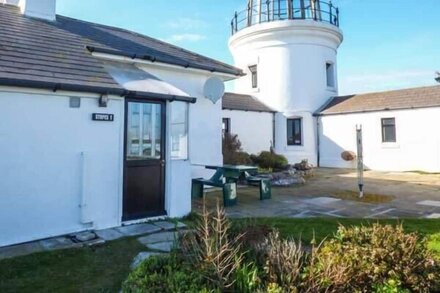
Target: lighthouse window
{"type": "Point", "coordinates": [330, 70]}
{"type": "Point", "coordinates": [294, 131]}
{"type": "Point", "coordinates": [254, 75]}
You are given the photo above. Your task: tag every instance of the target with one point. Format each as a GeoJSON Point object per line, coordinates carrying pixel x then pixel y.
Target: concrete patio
{"type": "Point", "coordinates": [410, 195]}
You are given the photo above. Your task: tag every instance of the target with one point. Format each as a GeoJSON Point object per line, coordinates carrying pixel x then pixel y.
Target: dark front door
{"type": "Point", "coordinates": [144, 163]}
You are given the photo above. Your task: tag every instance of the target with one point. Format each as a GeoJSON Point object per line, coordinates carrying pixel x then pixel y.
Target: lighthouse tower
{"type": "Point", "coordinates": [288, 50]}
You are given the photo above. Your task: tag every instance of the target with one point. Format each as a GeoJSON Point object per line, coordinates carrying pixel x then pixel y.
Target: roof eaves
{"type": "Point", "coordinates": [172, 61]}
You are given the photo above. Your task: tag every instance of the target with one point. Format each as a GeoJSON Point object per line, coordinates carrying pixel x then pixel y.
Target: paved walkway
{"type": "Point", "coordinates": [411, 195]}
{"type": "Point", "coordinates": [158, 237]}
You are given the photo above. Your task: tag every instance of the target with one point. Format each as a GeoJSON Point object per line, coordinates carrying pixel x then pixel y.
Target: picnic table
{"type": "Point", "coordinates": [227, 177]}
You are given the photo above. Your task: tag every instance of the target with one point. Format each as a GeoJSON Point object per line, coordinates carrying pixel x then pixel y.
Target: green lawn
{"type": "Point", "coordinates": [102, 269]}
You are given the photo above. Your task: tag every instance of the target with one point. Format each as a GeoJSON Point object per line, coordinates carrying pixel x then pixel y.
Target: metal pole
{"type": "Point", "coordinates": [360, 160]}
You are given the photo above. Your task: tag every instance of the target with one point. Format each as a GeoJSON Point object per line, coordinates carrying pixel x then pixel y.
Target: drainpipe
{"type": "Point", "coordinates": [273, 130]}
{"type": "Point", "coordinates": [318, 144]}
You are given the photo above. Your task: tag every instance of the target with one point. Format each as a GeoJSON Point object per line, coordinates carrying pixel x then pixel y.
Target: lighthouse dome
{"type": "Point", "coordinates": [261, 11]}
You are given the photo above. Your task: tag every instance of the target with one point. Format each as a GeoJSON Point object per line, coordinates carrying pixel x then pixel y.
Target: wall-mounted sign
{"type": "Point", "coordinates": [103, 117]}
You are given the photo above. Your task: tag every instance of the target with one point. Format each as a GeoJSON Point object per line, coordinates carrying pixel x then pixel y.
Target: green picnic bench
{"type": "Point", "coordinates": [226, 177]}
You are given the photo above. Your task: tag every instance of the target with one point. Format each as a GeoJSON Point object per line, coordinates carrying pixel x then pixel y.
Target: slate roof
{"type": "Point", "coordinates": [39, 53]}
{"type": "Point", "coordinates": [233, 101]}
{"type": "Point", "coordinates": [423, 97]}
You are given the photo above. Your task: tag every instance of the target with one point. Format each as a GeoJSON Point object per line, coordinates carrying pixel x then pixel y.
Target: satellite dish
{"type": "Point", "coordinates": [214, 89]}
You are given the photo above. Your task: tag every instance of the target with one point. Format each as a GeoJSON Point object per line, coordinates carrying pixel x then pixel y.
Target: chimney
{"type": "Point", "coordinates": [44, 9]}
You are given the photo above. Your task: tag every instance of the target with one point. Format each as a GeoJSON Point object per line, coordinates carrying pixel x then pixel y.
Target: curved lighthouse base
{"type": "Point", "coordinates": [308, 148]}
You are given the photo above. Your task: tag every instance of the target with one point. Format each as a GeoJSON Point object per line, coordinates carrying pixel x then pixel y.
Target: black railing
{"type": "Point", "coordinates": [273, 10]}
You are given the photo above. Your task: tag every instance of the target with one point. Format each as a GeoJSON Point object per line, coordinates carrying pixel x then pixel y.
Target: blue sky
{"type": "Point", "coordinates": [389, 44]}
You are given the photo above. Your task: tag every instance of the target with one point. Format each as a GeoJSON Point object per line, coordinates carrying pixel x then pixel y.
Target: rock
{"type": "Point", "coordinates": [84, 236]}
{"type": "Point", "coordinates": [141, 257]}
{"type": "Point", "coordinates": [348, 156]}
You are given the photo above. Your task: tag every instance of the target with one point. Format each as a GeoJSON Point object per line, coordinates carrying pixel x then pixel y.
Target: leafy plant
{"type": "Point", "coordinates": [270, 160]}
{"type": "Point", "coordinates": [211, 249]}
{"type": "Point", "coordinates": [247, 278]}
{"type": "Point", "coordinates": [232, 151]}
{"type": "Point", "coordinates": [164, 274]}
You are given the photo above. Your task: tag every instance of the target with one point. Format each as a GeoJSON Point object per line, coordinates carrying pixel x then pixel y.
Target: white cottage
{"type": "Point", "coordinates": [288, 50]}
{"type": "Point", "coordinates": [99, 126]}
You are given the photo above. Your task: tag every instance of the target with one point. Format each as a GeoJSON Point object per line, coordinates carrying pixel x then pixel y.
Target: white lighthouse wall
{"type": "Point", "coordinates": [254, 129]}
{"type": "Point", "coordinates": [291, 58]}
{"type": "Point", "coordinates": [417, 147]}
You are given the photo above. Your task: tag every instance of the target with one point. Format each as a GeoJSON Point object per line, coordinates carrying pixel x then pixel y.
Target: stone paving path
{"type": "Point", "coordinates": [414, 196]}
{"type": "Point", "coordinates": [160, 238]}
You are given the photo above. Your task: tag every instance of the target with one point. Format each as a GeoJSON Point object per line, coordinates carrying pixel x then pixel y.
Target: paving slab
{"type": "Point", "coordinates": [19, 250]}
{"type": "Point", "coordinates": [138, 229]}
{"type": "Point", "coordinates": [322, 200]}
{"type": "Point", "coordinates": [58, 243]}
{"type": "Point", "coordinates": [162, 246]}
{"type": "Point", "coordinates": [158, 237]}
{"type": "Point", "coordinates": [138, 259]}
{"type": "Point", "coordinates": [433, 216]}
{"type": "Point", "coordinates": [432, 203]}
{"type": "Point", "coordinates": [109, 234]}
{"type": "Point", "coordinates": [165, 225]}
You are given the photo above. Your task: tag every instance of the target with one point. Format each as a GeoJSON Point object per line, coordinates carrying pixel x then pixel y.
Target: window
{"type": "Point", "coordinates": [254, 76]}
{"type": "Point", "coordinates": [388, 130]}
{"type": "Point", "coordinates": [179, 130]}
{"type": "Point", "coordinates": [226, 126]}
{"type": "Point", "coordinates": [330, 71]}
{"type": "Point", "coordinates": [294, 131]}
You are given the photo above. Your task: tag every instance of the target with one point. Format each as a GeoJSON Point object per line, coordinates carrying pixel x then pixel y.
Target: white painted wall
{"type": "Point", "coordinates": [291, 56]}
{"type": "Point", "coordinates": [205, 119]}
{"type": "Point", "coordinates": [254, 129]}
{"type": "Point", "coordinates": [417, 146]}
{"type": "Point", "coordinates": [42, 180]}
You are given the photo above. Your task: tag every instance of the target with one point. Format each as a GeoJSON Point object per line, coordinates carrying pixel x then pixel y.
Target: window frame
{"type": "Point", "coordinates": [254, 75]}
{"type": "Point", "coordinates": [293, 119]}
{"type": "Point", "coordinates": [186, 128]}
{"type": "Point", "coordinates": [226, 122]}
{"type": "Point", "coordinates": [330, 75]}
{"type": "Point", "coordinates": [385, 126]}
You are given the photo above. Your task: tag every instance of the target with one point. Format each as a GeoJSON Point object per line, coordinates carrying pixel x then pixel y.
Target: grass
{"type": "Point", "coordinates": [104, 268]}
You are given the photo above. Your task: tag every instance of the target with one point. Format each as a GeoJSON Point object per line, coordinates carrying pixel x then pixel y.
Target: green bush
{"type": "Point", "coordinates": [372, 258]}
{"type": "Point", "coordinates": [269, 160]}
{"type": "Point", "coordinates": [164, 274]}
{"type": "Point", "coordinates": [232, 152]}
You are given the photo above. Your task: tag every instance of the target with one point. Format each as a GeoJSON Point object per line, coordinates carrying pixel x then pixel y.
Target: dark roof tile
{"type": "Point", "coordinates": [233, 101]}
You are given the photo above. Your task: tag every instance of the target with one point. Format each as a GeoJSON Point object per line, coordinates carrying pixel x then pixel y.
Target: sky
{"type": "Point", "coordinates": [388, 44]}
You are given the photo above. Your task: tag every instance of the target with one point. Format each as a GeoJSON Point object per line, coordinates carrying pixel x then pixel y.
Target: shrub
{"type": "Point", "coordinates": [269, 160]}
{"type": "Point", "coordinates": [376, 257]}
{"type": "Point", "coordinates": [283, 262]}
{"type": "Point", "coordinates": [212, 250]}
{"type": "Point", "coordinates": [232, 152]}
{"type": "Point", "coordinates": [164, 274]}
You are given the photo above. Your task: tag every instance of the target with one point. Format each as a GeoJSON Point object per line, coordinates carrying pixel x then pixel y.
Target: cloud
{"type": "Point", "coordinates": [382, 81]}
{"type": "Point", "coordinates": [178, 38]}
{"type": "Point", "coordinates": [186, 24]}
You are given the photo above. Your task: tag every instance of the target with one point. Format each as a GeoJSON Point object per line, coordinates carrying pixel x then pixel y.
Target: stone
{"type": "Point", "coordinates": [84, 236]}
{"type": "Point", "coordinates": [109, 234]}
{"type": "Point", "coordinates": [165, 225]}
{"type": "Point", "coordinates": [141, 257]}
{"type": "Point", "coordinates": [20, 250]}
{"type": "Point", "coordinates": [94, 242]}
{"type": "Point", "coordinates": [433, 216]}
{"type": "Point", "coordinates": [138, 229]}
{"type": "Point", "coordinates": [58, 243]}
{"type": "Point", "coordinates": [348, 156]}
{"type": "Point", "coordinates": [162, 246]}
{"type": "Point", "coordinates": [158, 237]}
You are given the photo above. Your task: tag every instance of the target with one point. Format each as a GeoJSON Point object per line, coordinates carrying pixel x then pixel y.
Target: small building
{"type": "Point", "coordinates": [399, 130]}
{"type": "Point", "coordinates": [249, 119]}
{"type": "Point", "coordinates": [99, 126]}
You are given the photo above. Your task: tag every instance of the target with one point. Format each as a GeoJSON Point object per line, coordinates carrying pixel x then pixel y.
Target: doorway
{"type": "Point", "coordinates": [144, 160]}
